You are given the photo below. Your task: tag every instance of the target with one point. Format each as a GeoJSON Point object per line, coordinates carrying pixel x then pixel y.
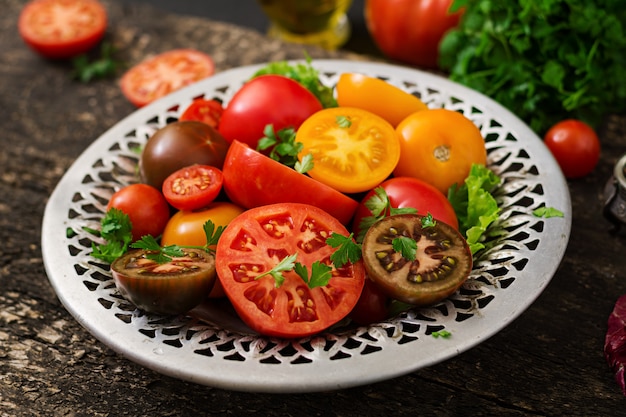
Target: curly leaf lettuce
{"type": "Point", "coordinates": [475, 206]}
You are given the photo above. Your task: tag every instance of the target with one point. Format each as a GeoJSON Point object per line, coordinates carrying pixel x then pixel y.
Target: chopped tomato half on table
{"type": "Point", "coordinates": [283, 304]}
{"type": "Point", "coordinates": [353, 150]}
{"type": "Point", "coordinates": [162, 74]}
{"type": "Point", "coordinates": [205, 111]}
{"type": "Point", "coordinates": [61, 29]}
{"type": "Point", "coordinates": [193, 187]}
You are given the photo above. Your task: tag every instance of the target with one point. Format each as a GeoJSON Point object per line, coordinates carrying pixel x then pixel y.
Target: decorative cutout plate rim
{"type": "Point", "coordinates": [212, 348]}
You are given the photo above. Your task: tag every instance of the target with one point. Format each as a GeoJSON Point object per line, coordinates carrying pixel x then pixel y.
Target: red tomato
{"type": "Point", "coordinates": [411, 192]}
{"type": "Point", "coordinates": [193, 187]}
{"type": "Point", "coordinates": [575, 146]}
{"type": "Point", "coordinates": [62, 28]}
{"type": "Point", "coordinates": [146, 207]}
{"type": "Point", "coordinates": [373, 305]}
{"type": "Point", "coordinates": [410, 30]}
{"type": "Point", "coordinates": [264, 100]}
{"type": "Point", "coordinates": [203, 110]}
{"type": "Point", "coordinates": [256, 241]}
{"type": "Point", "coordinates": [160, 75]}
{"type": "Point", "coordinates": [252, 179]}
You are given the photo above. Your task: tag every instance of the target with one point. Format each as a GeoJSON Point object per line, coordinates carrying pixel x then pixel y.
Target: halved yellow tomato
{"type": "Point", "coordinates": [353, 149]}
{"type": "Point", "coordinates": [377, 96]}
{"type": "Point", "coordinates": [439, 146]}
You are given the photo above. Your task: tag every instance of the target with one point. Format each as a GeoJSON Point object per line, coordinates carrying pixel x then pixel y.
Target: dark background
{"type": "Point", "coordinates": [249, 14]}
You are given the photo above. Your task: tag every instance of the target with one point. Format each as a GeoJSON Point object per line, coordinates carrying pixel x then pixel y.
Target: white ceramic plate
{"type": "Point", "coordinates": [220, 351]}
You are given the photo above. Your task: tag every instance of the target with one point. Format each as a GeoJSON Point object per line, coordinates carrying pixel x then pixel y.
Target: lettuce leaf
{"type": "Point", "coordinates": [475, 206]}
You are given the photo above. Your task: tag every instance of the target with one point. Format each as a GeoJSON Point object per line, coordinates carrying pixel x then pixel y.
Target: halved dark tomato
{"type": "Point", "coordinates": [193, 187]}
{"type": "Point", "coordinates": [169, 288]}
{"type": "Point", "coordinates": [440, 265]}
{"type": "Point", "coordinates": [205, 111]}
{"type": "Point", "coordinates": [252, 179]}
{"type": "Point", "coordinates": [258, 240]}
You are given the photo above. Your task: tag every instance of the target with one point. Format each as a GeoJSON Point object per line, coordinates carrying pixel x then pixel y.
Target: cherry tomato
{"type": "Point", "coordinates": [353, 150]}
{"type": "Point", "coordinates": [439, 265]}
{"type": "Point", "coordinates": [267, 99]}
{"type": "Point", "coordinates": [404, 192]}
{"type": "Point", "coordinates": [173, 287]}
{"type": "Point", "coordinates": [169, 71]}
{"type": "Point", "coordinates": [410, 30]}
{"type": "Point", "coordinates": [145, 206]}
{"type": "Point", "coordinates": [256, 241]}
{"type": "Point", "coordinates": [575, 146]}
{"type": "Point", "coordinates": [205, 111]}
{"type": "Point", "coordinates": [178, 145]}
{"type": "Point", "coordinates": [377, 96]}
{"type": "Point", "coordinates": [373, 305]}
{"type": "Point", "coordinates": [62, 28]}
{"type": "Point", "coordinates": [185, 228]}
{"type": "Point", "coordinates": [439, 146]}
{"type": "Point", "coordinates": [193, 187]}
{"type": "Point", "coordinates": [252, 179]}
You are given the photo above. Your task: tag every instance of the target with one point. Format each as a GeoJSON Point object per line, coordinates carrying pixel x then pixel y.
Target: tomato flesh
{"type": "Point", "coordinates": [205, 111]}
{"type": "Point", "coordinates": [256, 241]}
{"type": "Point", "coordinates": [353, 149]}
{"type": "Point", "coordinates": [164, 73]}
{"type": "Point", "coordinates": [252, 179]}
{"type": "Point", "coordinates": [193, 187]}
{"type": "Point", "coordinates": [60, 29]}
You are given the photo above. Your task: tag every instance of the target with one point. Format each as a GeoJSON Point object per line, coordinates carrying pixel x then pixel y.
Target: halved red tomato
{"type": "Point", "coordinates": [252, 179]}
{"type": "Point", "coordinates": [62, 28]}
{"type": "Point", "coordinates": [205, 111]}
{"type": "Point", "coordinates": [353, 149]}
{"type": "Point", "coordinates": [193, 187]}
{"type": "Point", "coordinates": [257, 241]}
{"type": "Point", "coordinates": [160, 75]}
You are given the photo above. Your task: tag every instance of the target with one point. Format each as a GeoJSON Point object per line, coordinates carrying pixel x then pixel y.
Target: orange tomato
{"type": "Point", "coordinates": [353, 150]}
{"type": "Point", "coordinates": [185, 228]}
{"type": "Point", "coordinates": [377, 96]}
{"type": "Point", "coordinates": [439, 146]}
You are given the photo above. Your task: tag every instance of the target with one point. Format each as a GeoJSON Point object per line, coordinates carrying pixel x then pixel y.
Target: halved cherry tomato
{"type": "Point", "coordinates": [205, 111]}
{"type": "Point", "coordinates": [62, 28]}
{"type": "Point", "coordinates": [193, 187]}
{"type": "Point", "coordinates": [173, 287]}
{"type": "Point", "coordinates": [169, 71]}
{"type": "Point", "coordinates": [267, 99]}
{"type": "Point", "coordinates": [256, 241]}
{"type": "Point", "coordinates": [185, 228]}
{"type": "Point", "coordinates": [404, 192]}
{"type": "Point", "coordinates": [353, 150]}
{"type": "Point", "coordinates": [439, 146]}
{"type": "Point", "coordinates": [252, 179]}
{"type": "Point", "coordinates": [145, 206]}
{"type": "Point", "coordinates": [377, 96]}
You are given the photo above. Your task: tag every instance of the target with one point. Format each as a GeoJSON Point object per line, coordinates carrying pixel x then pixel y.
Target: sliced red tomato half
{"type": "Point", "coordinates": [205, 111]}
{"type": "Point", "coordinates": [164, 73]}
{"type": "Point", "coordinates": [193, 187]}
{"type": "Point", "coordinates": [62, 28]}
{"type": "Point", "coordinates": [259, 239]}
{"type": "Point", "coordinates": [252, 179]}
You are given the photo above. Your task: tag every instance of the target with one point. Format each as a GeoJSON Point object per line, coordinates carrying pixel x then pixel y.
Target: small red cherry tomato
{"type": "Point", "coordinates": [145, 206]}
{"type": "Point", "coordinates": [575, 146]}
{"type": "Point", "coordinates": [205, 111]}
{"type": "Point", "coordinates": [193, 187]}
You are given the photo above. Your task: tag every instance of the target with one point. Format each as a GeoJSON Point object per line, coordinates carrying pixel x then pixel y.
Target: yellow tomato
{"type": "Point", "coordinates": [353, 150]}
{"type": "Point", "coordinates": [185, 228]}
{"type": "Point", "coordinates": [377, 96]}
{"type": "Point", "coordinates": [439, 146]}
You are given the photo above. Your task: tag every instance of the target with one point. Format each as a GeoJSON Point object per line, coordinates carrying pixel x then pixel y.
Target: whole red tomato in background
{"type": "Point", "coordinates": [410, 30]}
{"type": "Point", "coordinates": [575, 146]}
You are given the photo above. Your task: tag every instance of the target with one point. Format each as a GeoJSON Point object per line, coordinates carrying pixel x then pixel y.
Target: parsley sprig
{"type": "Point", "coordinates": [104, 66]}
{"type": "Point", "coordinates": [380, 206]}
{"type": "Point", "coordinates": [284, 148]}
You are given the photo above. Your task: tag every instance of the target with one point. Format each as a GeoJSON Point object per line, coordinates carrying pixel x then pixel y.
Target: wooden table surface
{"type": "Point", "coordinates": [548, 362]}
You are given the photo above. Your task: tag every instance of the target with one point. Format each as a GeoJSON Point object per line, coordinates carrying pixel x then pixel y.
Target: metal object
{"type": "Point", "coordinates": [615, 196]}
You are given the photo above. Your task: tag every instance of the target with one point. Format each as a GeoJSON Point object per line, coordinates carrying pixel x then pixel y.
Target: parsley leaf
{"type": "Point", "coordinates": [104, 66]}
{"type": "Point", "coordinates": [320, 274]}
{"type": "Point", "coordinates": [284, 148]}
{"type": "Point", "coordinates": [547, 212]}
{"type": "Point", "coordinates": [286, 264]}
{"type": "Point", "coordinates": [380, 206]}
{"type": "Point", "coordinates": [348, 250]}
{"type": "Point", "coordinates": [343, 122]}
{"type": "Point", "coordinates": [406, 246]}
{"type": "Point", "coordinates": [116, 230]}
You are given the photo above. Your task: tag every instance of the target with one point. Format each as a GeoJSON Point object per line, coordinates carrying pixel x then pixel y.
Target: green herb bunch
{"type": "Point", "coordinates": [545, 60]}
